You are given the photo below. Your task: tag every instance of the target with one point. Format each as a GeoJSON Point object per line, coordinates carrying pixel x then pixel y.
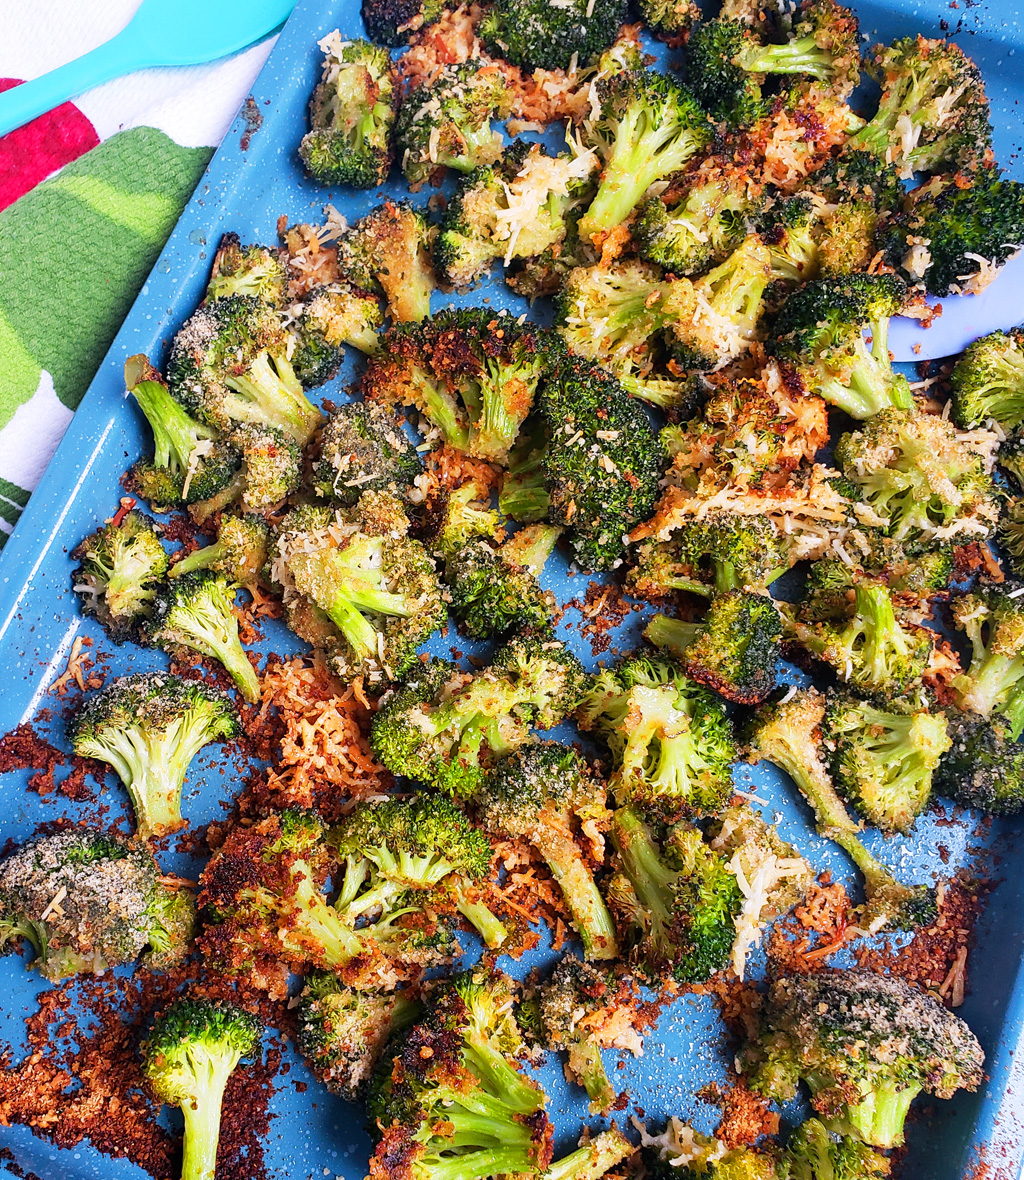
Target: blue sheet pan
{"type": "Point", "coordinates": [314, 1134]}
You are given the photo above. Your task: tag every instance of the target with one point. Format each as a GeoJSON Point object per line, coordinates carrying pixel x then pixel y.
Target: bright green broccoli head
{"type": "Point", "coordinates": [988, 382]}
{"type": "Point", "coordinates": [149, 727]}
{"type": "Point", "coordinates": [671, 741]}
{"type": "Point", "coordinates": [363, 448]}
{"type": "Point", "coordinates": [351, 115]}
{"type": "Point", "coordinates": [983, 767]}
{"type": "Point", "coordinates": [814, 1153]}
{"type": "Point", "coordinates": [247, 270]}
{"type": "Point", "coordinates": [388, 252]}
{"type": "Point", "coordinates": [882, 762]}
{"type": "Point", "coordinates": [195, 612]}
{"type": "Point", "coordinates": [537, 36]}
{"type": "Point", "coordinates": [866, 1044]}
{"type": "Point", "coordinates": [121, 567]}
{"type": "Point", "coordinates": [86, 901]}
{"type": "Point", "coordinates": [992, 618]}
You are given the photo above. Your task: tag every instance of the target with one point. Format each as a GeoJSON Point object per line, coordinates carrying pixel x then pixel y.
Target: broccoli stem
{"type": "Point", "coordinates": [496, 425]}
{"type": "Point", "coordinates": [273, 396]}
{"type": "Point", "coordinates": [802, 56]}
{"type": "Point", "coordinates": [476, 1165]}
{"type": "Point", "coordinates": [215, 634]}
{"type": "Point", "coordinates": [880, 1116]}
{"type": "Point", "coordinates": [175, 434]}
{"type": "Point", "coordinates": [674, 635]}
{"type": "Point", "coordinates": [651, 880]}
{"type": "Point", "coordinates": [593, 1159]}
{"type": "Point", "coordinates": [586, 1065]}
{"type": "Point", "coordinates": [441, 410]}
{"type": "Point", "coordinates": [998, 677]}
{"type": "Point", "coordinates": [505, 1090]}
{"type": "Point", "coordinates": [202, 1117]}
{"type": "Point", "coordinates": [317, 921]}
{"type": "Point", "coordinates": [532, 546]}
{"type": "Point", "coordinates": [202, 559]}
{"type": "Point", "coordinates": [490, 928]}
{"type": "Point", "coordinates": [883, 635]}
{"type": "Point", "coordinates": [590, 915]}
{"type": "Point", "coordinates": [524, 495]}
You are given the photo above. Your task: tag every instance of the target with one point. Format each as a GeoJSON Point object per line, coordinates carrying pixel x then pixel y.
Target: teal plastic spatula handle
{"type": "Point", "coordinates": [161, 33]}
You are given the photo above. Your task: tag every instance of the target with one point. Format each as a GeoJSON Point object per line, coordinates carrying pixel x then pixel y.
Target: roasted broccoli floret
{"type": "Point", "coordinates": [814, 1153]}
{"type": "Point", "coordinates": [734, 650]}
{"type": "Point", "coordinates": [649, 125]}
{"type": "Point", "coordinates": [820, 331]}
{"type": "Point", "coordinates": [685, 1154]}
{"type": "Point", "coordinates": [933, 113]}
{"type": "Point", "coordinates": [988, 382]}
{"type": "Point", "coordinates": [471, 372]}
{"type": "Point", "coordinates": [247, 270]}
{"type": "Point", "coordinates": [523, 495]}
{"type": "Point", "coordinates": [954, 235]}
{"type": "Point", "coordinates": [391, 22]}
{"type": "Point", "coordinates": [239, 553]}
{"type": "Point", "coordinates": [992, 618]}
{"type": "Point", "coordinates": [522, 207]}
{"type": "Point", "coordinates": [920, 478]}
{"type": "Point", "coordinates": [599, 1155]}
{"type": "Point", "coordinates": [710, 555]}
{"type": "Point", "coordinates": [789, 228]}
{"type": "Point", "coordinates": [396, 852]}
{"type": "Point", "coordinates": [342, 1032]}
{"type": "Point", "coordinates": [538, 36]}
{"type": "Point", "coordinates": [445, 727]}
{"type": "Point", "coordinates": [677, 899]}
{"type": "Point", "coordinates": [671, 742]}
{"type": "Point", "coordinates": [447, 123]}
{"type": "Point", "coordinates": [536, 793]}
{"type": "Point", "coordinates": [983, 766]}
{"type": "Point", "coordinates": [446, 1099]}
{"type": "Point", "coordinates": [364, 449]}
{"type": "Point", "coordinates": [790, 735]}
{"type": "Point", "coordinates": [580, 1008]}
{"type": "Point", "coordinates": [602, 465]}
{"type": "Point", "coordinates": [669, 19]}
{"type": "Point", "coordinates": [149, 727]}
{"type": "Point", "coordinates": [700, 229]}
{"type": "Point", "coordinates": [727, 60]}
{"type": "Point", "coordinates": [87, 901]}
{"type": "Point", "coordinates": [860, 191]}
{"type": "Point", "coordinates": [882, 761]}
{"type": "Point", "coordinates": [122, 566]}
{"type": "Point", "coordinates": [388, 252]}
{"type": "Point", "coordinates": [190, 462]}
{"type": "Point", "coordinates": [866, 1045]}
{"type": "Point", "coordinates": [351, 115]}
{"type": "Point", "coordinates": [326, 319]}
{"type": "Point", "coordinates": [188, 1057]}
{"type": "Point", "coordinates": [271, 469]}
{"type": "Point", "coordinates": [229, 365]}
{"type": "Point", "coordinates": [377, 585]}
{"type": "Point", "coordinates": [196, 611]}
{"type": "Point", "coordinates": [262, 896]}
{"type": "Point", "coordinates": [461, 517]}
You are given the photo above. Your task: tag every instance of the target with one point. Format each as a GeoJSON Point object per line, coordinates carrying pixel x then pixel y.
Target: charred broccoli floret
{"type": "Point", "coordinates": [882, 762]}
{"type": "Point", "coordinates": [954, 236]}
{"type": "Point", "coordinates": [866, 1044]}
{"type": "Point", "coordinates": [933, 113]}
{"type": "Point", "coordinates": [649, 125]}
{"type": "Point", "coordinates": [815, 1153]}
{"type": "Point", "coordinates": [677, 899]}
{"type": "Point", "coordinates": [522, 207]}
{"type": "Point", "coordinates": [578, 1008]}
{"type": "Point", "coordinates": [351, 115]}
{"type": "Point", "coordinates": [229, 365]}
{"type": "Point", "coordinates": [364, 449]}
{"type": "Point", "coordinates": [122, 566]}
{"type": "Point", "coordinates": [149, 727]}
{"type": "Point", "coordinates": [921, 479]}
{"type": "Point", "coordinates": [988, 382]}
{"type": "Point", "coordinates": [700, 229]}
{"type": "Point", "coordinates": [983, 766]}
{"type": "Point", "coordinates": [671, 742]}
{"type": "Point", "coordinates": [447, 1098]}
{"type": "Point", "coordinates": [399, 853]}
{"type": "Point", "coordinates": [820, 331]}
{"type": "Point", "coordinates": [188, 1057]}
{"type": "Point", "coordinates": [733, 650]}
{"type": "Point", "coordinates": [342, 1032]}
{"type": "Point", "coordinates": [376, 584]}
{"type": "Point", "coordinates": [190, 461]}
{"type": "Point", "coordinates": [391, 22]}
{"type": "Point", "coordinates": [539, 36]}
{"type": "Point", "coordinates": [446, 728]}
{"type": "Point", "coordinates": [727, 60]}
{"type": "Point", "coordinates": [86, 901]}
{"type": "Point", "coordinates": [496, 591]}
{"type": "Point", "coordinates": [388, 252]}
{"type": "Point", "coordinates": [602, 465]}
{"type": "Point", "coordinates": [536, 793]}
{"type": "Point", "coordinates": [327, 318]}
{"type": "Point", "coordinates": [447, 123]}
{"type": "Point", "coordinates": [790, 735]}
{"type": "Point", "coordinates": [992, 618]}
{"type": "Point", "coordinates": [196, 612]}
{"type": "Point", "coordinates": [247, 270]}
{"type": "Point", "coordinates": [239, 553]}
{"type": "Point", "coordinates": [271, 469]}
{"type": "Point", "coordinates": [472, 373]}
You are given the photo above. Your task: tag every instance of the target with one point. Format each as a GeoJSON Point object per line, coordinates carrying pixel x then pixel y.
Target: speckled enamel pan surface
{"type": "Point", "coordinates": [252, 180]}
